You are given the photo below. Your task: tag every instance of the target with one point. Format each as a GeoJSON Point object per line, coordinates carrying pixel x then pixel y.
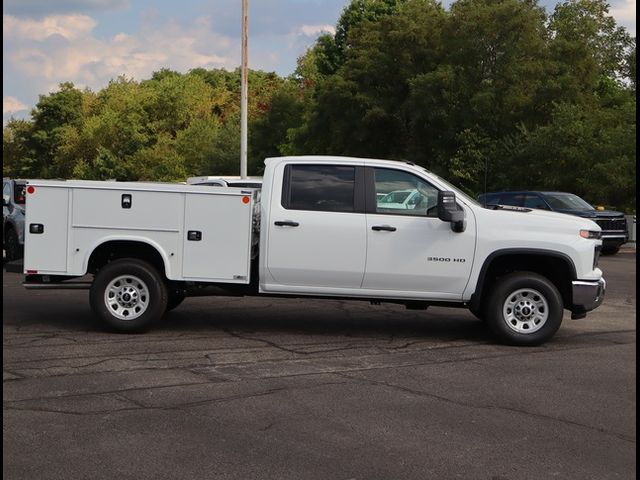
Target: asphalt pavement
{"type": "Point", "coordinates": [254, 388]}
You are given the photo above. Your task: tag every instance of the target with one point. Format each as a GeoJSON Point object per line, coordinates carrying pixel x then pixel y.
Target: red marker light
{"type": "Point", "coordinates": [246, 199]}
{"type": "Point", "coordinates": [31, 189]}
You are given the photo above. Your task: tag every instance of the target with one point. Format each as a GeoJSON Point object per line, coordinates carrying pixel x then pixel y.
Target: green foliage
{"type": "Point", "coordinates": [19, 157]}
{"type": "Point", "coordinates": [492, 94]}
{"type": "Point", "coordinates": [168, 127]}
{"type": "Point", "coordinates": [269, 134]}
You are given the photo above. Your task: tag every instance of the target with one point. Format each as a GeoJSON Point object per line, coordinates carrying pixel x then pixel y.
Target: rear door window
{"type": "Point", "coordinates": [327, 188]}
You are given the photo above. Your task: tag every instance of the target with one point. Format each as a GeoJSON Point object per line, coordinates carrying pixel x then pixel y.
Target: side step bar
{"type": "Point", "coordinates": [57, 286]}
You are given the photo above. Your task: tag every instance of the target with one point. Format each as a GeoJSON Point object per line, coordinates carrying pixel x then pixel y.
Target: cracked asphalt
{"type": "Point", "coordinates": [250, 388]}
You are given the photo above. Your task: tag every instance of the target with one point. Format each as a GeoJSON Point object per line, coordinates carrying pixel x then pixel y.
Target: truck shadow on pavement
{"type": "Point", "coordinates": [68, 312]}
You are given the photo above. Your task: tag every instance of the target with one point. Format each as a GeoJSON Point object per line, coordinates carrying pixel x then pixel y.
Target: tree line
{"type": "Point", "coordinates": [492, 94]}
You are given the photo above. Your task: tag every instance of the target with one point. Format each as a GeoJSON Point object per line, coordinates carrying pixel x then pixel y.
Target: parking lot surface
{"type": "Point", "coordinates": [253, 388]}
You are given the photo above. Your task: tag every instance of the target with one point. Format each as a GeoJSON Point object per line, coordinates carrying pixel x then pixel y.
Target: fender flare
{"type": "Point", "coordinates": [474, 302]}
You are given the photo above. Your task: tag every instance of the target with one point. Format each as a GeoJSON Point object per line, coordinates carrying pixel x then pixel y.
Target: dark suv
{"type": "Point", "coordinates": [613, 224]}
{"type": "Point", "coordinates": [13, 217]}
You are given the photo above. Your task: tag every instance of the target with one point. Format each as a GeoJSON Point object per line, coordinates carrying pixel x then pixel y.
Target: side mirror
{"type": "Point", "coordinates": [448, 211]}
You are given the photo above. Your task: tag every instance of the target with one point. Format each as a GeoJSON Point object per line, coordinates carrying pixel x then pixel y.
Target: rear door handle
{"type": "Point", "coordinates": [386, 228]}
{"type": "Point", "coordinates": [286, 223]}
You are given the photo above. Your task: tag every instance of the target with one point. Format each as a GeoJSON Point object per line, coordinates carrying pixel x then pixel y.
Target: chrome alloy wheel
{"type": "Point", "coordinates": [525, 310]}
{"type": "Point", "coordinates": [126, 297]}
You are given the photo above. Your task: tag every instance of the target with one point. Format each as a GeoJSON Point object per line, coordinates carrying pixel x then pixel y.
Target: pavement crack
{"type": "Point", "coordinates": [459, 403]}
{"type": "Point", "coordinates": [266, 342]}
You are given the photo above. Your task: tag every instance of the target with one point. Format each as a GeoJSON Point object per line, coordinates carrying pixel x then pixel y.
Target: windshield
{"type": "Point", "coordinates": [567, 201]}
{"type": "Point", "coordinates": [458, 192]}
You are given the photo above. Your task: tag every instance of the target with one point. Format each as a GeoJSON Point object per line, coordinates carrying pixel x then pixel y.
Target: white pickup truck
{"type": "Point", "coordinates": [318, 229]}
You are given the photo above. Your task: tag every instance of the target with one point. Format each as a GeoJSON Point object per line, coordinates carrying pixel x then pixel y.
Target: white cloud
{"type": "Point", "coordinates": [68, 26]}
{"type": "Point", "coordinates": [300, 37]}
{"type": "Point", "coordinates": [314, 30]}
{"type": "Point", "coordinates": [625, 14]}
{"type": "Point", "coordinates": [12, 105]}
{"type": "Point", "coordinates": [83, 58]}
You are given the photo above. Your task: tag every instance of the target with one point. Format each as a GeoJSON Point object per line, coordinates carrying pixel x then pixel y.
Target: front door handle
{"type": "Point", "coordinates": [386, 228]}
{"type": "Point", "coordinates": [286, 223]}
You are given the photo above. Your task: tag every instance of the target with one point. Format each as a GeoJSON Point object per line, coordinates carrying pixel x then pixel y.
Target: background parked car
{"type": "Point", "coordinates": [409, 199]}
{"type": "Point", "coordinates": [13, 200]}
{"type": "Point", "coordinates": [613, 224]}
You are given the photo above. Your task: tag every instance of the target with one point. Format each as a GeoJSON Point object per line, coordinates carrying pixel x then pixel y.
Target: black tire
{"type": "Point", "coordinates": [478, 313]}
{"type": "Point", "coordinates": [524, 309]}
{"type": "Point", "coordinates": [610, 249]}
{"type": "Point", "coordinates": [128, 285]}
{"type": "Point", "coordinates": [175, 297]}
{"type": "Point", "coordinates": [13, 250]}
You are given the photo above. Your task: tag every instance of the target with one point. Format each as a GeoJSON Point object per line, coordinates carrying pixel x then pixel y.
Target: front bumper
{"type": "Point", "coordinates": [587, 295]}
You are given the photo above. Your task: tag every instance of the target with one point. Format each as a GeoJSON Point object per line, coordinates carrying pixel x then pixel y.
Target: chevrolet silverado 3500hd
{"type": "Point", "coordinates": [318, 229]}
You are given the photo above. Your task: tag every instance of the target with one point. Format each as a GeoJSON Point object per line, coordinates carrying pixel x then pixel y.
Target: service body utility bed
{"type": "Point", "coordinates": [205, 234]}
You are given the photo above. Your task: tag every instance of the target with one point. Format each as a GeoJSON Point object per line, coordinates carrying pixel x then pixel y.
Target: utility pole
{"type": "Point", "coordinates": [244, 89]}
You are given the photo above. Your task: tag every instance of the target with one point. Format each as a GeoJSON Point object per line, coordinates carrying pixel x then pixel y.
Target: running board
{"type": "Point", "coordinates": [58, 286]}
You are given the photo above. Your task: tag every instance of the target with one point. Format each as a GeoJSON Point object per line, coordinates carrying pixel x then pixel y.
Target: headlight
{"type": "Point", "coordinates": [591, 234]}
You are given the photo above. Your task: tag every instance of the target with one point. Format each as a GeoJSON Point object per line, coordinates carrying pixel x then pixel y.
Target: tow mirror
{"type": "Point", "coordinates": [448, 211]}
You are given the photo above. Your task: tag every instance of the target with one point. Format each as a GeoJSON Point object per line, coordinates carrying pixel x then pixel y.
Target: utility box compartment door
{"type": "Point", "coordinates": [47, 209]}
{"type": "Point", "coordinates": [217, 237]}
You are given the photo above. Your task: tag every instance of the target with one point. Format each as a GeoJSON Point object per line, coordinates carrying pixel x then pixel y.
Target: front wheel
{"type": "Point", "coordinates": [129, 295]}
{"type": "Point", "coordinates": [524, 309]}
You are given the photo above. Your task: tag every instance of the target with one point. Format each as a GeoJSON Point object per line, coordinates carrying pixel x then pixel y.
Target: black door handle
{"type": "Point", "coordinates": [286, 223]}
{"type": "Point", "coordinates": [386, 228]}
{"type": "Point", "coordinates": [194, 235]}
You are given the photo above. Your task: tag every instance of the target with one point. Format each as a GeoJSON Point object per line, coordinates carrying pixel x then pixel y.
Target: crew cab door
{"type": "Point", "coordinates": [317, 227]}
{"type": "Point", "coordinates": [410, 250]}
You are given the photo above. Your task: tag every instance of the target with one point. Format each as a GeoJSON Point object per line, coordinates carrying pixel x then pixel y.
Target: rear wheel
{"type": "Point", "coordinates": [129, 295]}
{"type": "Point", "coordinates": [524, 309]}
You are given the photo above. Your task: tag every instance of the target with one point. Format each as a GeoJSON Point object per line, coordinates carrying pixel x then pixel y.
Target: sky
{"type": "Point", "coordinates": [89, 42]}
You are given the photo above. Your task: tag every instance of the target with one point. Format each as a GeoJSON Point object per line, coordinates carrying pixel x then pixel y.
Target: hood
{"type": "Point", "coordinates": [592, 213]}
{"type": "Point", "coordinates": [539, 220]}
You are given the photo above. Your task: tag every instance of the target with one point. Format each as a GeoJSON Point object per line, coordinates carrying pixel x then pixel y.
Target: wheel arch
{"type": "Point", "coordinates": [556, 266]}
{"type": "Point", "coordinates": [115, 248]}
